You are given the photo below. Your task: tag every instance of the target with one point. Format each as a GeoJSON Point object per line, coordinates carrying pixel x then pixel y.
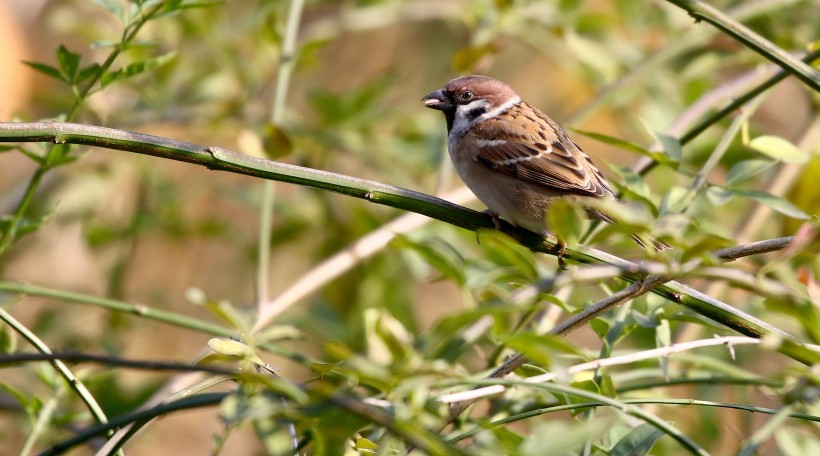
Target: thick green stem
{"type": "Point", "coordinates": [219, 159]}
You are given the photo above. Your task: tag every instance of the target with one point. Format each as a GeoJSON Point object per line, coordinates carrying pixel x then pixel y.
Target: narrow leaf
{"type": "Point", "coordinates": [47, 70]}
{"type": "Point", "coordinates": [719, 195]}
{"type": "Point", "coordinates": [135, 68]}
{"type": "Point", "coordinates": [747, 169]}
{"type": "Point", "coordinates": [88, 72]}
{"type": "Point", "coordinates": [779, 149]}
{"type": "Point", "coordinates": [440, 256]}
{"type": "Point", "coordinates": [638, 442]}
{"type": "Point", "coordinates": [777, 203]}
{"type": "Point", "coordinates": [69, 63]}
{"type": "Point", "coordinates": [612, 141]}
{"type": "Point", "coordinates": [230, 347]}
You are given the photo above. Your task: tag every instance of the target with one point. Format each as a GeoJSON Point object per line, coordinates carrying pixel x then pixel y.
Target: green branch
{"type": "Point", "coordinates": [223, 160]}
{"type": "Point", "coordinates": [702, 11]}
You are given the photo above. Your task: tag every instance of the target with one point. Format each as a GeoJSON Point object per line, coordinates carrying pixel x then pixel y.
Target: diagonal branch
{"type": "Point", "coordinates": [702, 11]}
{"type": "Point", "coordinates": [223, 160]}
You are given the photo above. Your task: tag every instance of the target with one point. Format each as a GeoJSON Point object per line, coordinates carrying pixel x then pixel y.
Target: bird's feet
{"type": "Point", "coordinates": [495, 217]}
{"type": "Point", "coordinates": [561, 248]}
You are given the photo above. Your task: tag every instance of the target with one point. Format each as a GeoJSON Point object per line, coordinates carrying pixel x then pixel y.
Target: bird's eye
{"type": "Point", "coordinates": [466, 95]}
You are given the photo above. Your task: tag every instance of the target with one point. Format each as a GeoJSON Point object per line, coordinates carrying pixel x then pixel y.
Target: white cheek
{"type": "Point", "coordinates": [461, 123]}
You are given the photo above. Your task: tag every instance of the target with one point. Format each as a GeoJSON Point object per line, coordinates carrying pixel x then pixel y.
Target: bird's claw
{"type": "Point", "coordinates": [561, 246]}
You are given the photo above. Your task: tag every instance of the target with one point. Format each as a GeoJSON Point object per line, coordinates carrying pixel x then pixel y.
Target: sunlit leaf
{"type": "Point", "coordinates": [230, 347]}
{"type": "Point", "coordinates": [778, 149]}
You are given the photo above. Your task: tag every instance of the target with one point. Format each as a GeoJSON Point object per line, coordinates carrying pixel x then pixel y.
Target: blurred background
{"type": "Point", "coordinates": [147, 230]}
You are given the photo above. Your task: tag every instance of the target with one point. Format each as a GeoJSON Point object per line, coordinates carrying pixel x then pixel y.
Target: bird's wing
{"type": "Point", "coordinates": [538, 151]}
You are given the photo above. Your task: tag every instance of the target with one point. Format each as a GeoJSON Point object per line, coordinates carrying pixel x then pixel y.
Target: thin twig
{"type": "Point", "coordinates": [106, 360]}
{"type": "Point", "coordinates": [636, 289]}
{"type": "Point", "coordinates": [485, 391]}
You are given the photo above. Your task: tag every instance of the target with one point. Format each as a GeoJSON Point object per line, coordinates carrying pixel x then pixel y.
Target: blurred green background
{"type": "Point", "coordinates": [146, 230]}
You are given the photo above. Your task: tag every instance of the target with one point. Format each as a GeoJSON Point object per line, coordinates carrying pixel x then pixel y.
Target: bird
{"type": "Point", "coordinates": [513, 157]}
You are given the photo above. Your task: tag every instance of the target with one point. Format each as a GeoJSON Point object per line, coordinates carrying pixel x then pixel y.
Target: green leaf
{"type": "Point", "coordinates": [559, 438]}
{"type": "Point", "coordinates": [47, 70]}
{"type": "Point", "coordinates": [634, 183]}
{"type": "Point", "coordinates": [747, 169]}
{"type": "Point", "coordinates": [708, 243]}
{"type": "Point", "coordinates": [637, 442]}
{"type": "Point", "coordinates": [69, 63]}
{"type": "Point", "coordinates": [566, 220]}
{"type": "Point", "coordinates": [505, 251]}
{"type": "Point", "coordinates": [719, 195]}
{"type": "Point", "coordinates": [645, 321]}
{"type": "Point", "coordinates": [230, 347]}
{"type": "Point", "coordinates": [275, 142]}
{"type": "Point", "coordinates": [659, 157]}
{"type": "Point", "coordinates": [676, 200]}
{"type": "Point", "coordinates": [779, 149]}
{"type": "Point", "coordinates": [8, 340]}
{"type": "Point", "coordinates": [222, 309]}
{"type": "Point", "coordinates": [542, 348]}
{"type": "Point", "coordinates": [439, 255]}
{"type": "Point", "coordinates": [234, 349]}
{"type": "Point", "coordinates": [364, 446]}
{"type": "Point", "coordinates": [617, 142]}
{"type": "Point", "coordinates": [777, 203]}
{"type": "Point", "coordinates": [671, 145]}
{"type": "Point", "coordinates": [135, 68]}
{"type": "Point", "coordinates": [88, 72]}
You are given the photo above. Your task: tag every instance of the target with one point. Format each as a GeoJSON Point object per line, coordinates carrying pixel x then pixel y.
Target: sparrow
{"type": "Point", "coordinates": [513, 157]}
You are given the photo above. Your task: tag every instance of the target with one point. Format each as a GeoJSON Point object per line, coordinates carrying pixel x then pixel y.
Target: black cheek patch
{"type": "Point", "coordinates": [475, 113]}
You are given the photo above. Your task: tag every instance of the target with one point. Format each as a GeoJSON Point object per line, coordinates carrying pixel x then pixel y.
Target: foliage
{"type": "Point", "coordinates": [323, 325]}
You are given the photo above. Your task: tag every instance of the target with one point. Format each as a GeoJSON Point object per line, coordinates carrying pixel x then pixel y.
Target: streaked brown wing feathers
{"type": "Point", "coordinates": [556, 164]}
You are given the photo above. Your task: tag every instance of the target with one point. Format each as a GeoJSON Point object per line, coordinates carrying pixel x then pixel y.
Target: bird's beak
{"type": "Point", "coordinates": [437, 100]}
